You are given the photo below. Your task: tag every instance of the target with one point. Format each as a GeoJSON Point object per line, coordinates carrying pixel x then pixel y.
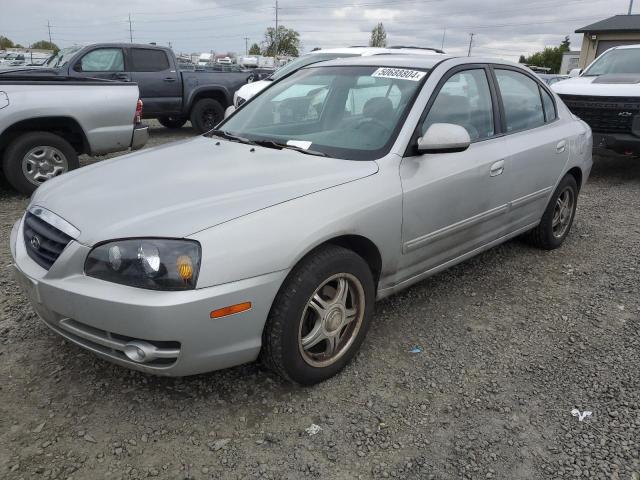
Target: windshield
{"type": "Point", "coordinates": [342, 112]}
{"type": "Point", "coordinates": [62, 57]}
{"type": "Point", "coordinates": [305, 60]}
{"type": "Point", "coordinates": [623, 60]}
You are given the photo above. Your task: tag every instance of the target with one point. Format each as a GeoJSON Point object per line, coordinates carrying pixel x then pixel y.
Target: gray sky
{"type": "Point", "coordinates": [503, 28]}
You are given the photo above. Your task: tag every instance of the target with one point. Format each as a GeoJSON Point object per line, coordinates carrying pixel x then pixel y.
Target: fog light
{"type": "Point", "coordinates": [140, 352]}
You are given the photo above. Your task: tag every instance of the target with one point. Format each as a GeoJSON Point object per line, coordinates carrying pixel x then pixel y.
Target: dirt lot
{"type": "Point", "coordinates": [510, 341]}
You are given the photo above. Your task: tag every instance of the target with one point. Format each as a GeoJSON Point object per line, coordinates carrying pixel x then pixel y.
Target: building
{"type": "Point", "coordinates": [607, 33]}
{"type": "Point", "coordinates": [570, 60]}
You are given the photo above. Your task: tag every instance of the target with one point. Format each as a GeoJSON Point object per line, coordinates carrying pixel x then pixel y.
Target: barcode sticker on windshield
{"type": "Point", "coordinates": [399, 74]}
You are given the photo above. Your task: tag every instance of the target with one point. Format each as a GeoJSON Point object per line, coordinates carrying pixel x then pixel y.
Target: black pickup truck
{"type": "Point", "coordinates": [168, 94]}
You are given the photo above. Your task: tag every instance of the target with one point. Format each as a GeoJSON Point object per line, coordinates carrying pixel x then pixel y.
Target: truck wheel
{"type": "Point", "coordinates": [35, 157]}
{"type": "Point", "coordinates": [320, 316]}
{"type": "Point", "coordinates": [558, 216]}
{"type": "Point", "coordinates": [206, 114]}
{"type": "Point", "coordinates": [172, 122]}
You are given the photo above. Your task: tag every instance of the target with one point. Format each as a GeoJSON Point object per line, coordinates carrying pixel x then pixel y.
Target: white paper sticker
{"type": "Point", "coordinates": [300, 144]}
{"type": "Point", "coordinates": [399, 74]}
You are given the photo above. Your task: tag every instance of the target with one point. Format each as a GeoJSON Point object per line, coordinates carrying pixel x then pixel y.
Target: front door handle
{"type": "Point", "coordinates": [497, 168]}
{"type": "Point", "coordinates": [560, 147]}
{"type": "Point", "coordinates": [169, 79]}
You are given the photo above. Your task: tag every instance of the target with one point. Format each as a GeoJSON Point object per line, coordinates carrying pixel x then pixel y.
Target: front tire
{"type": "Point", "coordinates": [35, 157]}
{"type": "Point", "coordinates": [206, 114]}
{"type": "Point", "coordinates": [172, 122]}
{"type": "Point", "coordinates": [320, 316]}
{"type": "Point", "coordinates": [558, 217]}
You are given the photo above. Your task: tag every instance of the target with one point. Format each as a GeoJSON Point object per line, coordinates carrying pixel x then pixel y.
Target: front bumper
{"type": "Point", "coordinates": [103, 317]}
{"type": "Point", "coordinates": [619, 142]}
{"type": "Point", "coordinates": [140, 136]}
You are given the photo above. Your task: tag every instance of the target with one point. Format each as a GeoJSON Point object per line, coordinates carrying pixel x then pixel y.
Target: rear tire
{"type": "Point", "coordinates": [172, 122]}
{"type": "Point", "coordinates": [558, 217]}
{"type": "Point", "coordinates": [34, 157]}
{"type": "Point", "coordinates": [206, 114]}
{"type": "Point", "coordinates": [306, 346]}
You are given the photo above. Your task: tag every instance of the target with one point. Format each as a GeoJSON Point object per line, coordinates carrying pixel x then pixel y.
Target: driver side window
{"type": "Point", "coordinates": [465, 100]}
{"type": "Point", "coordinates": [103, 60]}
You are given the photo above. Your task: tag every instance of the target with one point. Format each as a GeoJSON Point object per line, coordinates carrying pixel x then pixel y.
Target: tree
{"type": "Point", "coordinates": [44, 45]}
{"type": "Point", "coordinates": [522, 59]}
{"type": "Point", "coordinates": [550, 57]}
{"type": "Point", "coordinates": [378, 36]}
{"type": "Point", "coordinates": [5, 43]}
{"type": "Point", "coordinates": [287, 42]}
{"type": "Point", "coordinates": [255, 49]}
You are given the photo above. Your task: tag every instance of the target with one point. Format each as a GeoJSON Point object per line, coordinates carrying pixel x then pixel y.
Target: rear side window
{"type": "Point", "coordinates": [549, 107]}
{"type": "Point", "coordinates": [521, 100]}
{"type": "Point", "coordinates": [103, 60]}
{"type": "Point", "coordinates": [149, 60]}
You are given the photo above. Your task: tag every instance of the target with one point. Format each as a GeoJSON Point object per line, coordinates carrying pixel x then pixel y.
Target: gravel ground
{"type": "Point", "coordinates": [510, 342]}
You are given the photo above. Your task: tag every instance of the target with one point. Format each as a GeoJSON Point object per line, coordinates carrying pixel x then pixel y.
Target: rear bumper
{"type": "Point", "coordinates": [619, 142]}
{"type": "Point", "coordinates": [140, 136]}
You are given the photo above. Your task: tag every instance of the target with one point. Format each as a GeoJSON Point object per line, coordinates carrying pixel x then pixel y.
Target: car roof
{"type": "Point", "coordinates": [367, 51]}
{"type": "Point", "coordinates": [408, 61]}
{"type": "Point", "coordinates": [624, 47]}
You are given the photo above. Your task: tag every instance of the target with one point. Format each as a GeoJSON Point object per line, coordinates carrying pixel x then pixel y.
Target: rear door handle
{"type": "Point", "coordinates": [497, 168]}
{"type": "Point", "coordinates": [169, 79]}
{"type": "Point", "coordinates": [560, 147]}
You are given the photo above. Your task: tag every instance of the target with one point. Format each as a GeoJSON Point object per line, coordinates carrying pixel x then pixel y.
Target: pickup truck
{"type": "Point", "coordinates": [46, 121]}
{"type": "Point", "coordinates": [607, 97]}
{"type": "Point", "coordinates": [169, 94]}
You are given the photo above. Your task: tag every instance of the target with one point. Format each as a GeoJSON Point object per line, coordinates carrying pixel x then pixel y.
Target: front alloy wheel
{"type": "Point", "coordinates": [320, 316]}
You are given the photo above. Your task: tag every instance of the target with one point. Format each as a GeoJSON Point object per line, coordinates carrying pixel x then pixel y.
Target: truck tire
{"type": "Point", "coordinates": [172, 122]}
{"type": "Point", "coordinates": [206, 114]}
{"type": "Point", "coordinates": [35, 157]}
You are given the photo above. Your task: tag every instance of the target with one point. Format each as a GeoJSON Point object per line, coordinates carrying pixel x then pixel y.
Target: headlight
{"type": "Point", "coordinates": [153, 263]}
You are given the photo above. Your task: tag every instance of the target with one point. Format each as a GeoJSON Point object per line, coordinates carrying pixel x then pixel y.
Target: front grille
{"type": "Point", "coordinates": [44, 242]}
{"type": "Point", "coordinates": [605, 114]}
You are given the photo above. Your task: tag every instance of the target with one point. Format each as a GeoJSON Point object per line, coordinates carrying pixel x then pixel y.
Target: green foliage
{"type": "Point", "coordinates": [288, 42]}
{"type": "Point", "coordinates": [378, 36]}
{"type": "Point", "coordinates": [5, 43]}
{"type": "Point", "coordinates": [45, 45]}
{"type": "Point", "coordinates": [550, 57]}
{"type": "Point", "coordinates": [255, 49]}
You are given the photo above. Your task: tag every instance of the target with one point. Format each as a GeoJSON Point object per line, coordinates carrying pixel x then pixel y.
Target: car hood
{"type": "Point", "coordinates": [603, 85]}
{"type": "Point", "coordinates": [250, 89]}
{"type": "Point", "coordinates": [184, 187]}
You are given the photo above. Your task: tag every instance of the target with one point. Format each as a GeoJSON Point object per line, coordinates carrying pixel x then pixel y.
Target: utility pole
{"type": "Point", "coordinates": [246, 45]}
{"type": "Point", "coordinates": [49, 28]}
{"type": "Point", "coordinates": [444, 32]}
{"type": "Point", "coordinates": [276, 43]}
{"type": "Point", "coordinates": [470, 43]}
{"type": "Point", "coordinates": [630, 6]}
{"type": "Point", "coordinates": [130, 30]}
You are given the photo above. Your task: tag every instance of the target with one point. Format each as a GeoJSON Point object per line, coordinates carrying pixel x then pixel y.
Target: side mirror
{"type": "Point", "coordinates": [444, 138]}
{"type": "Point", "coordinates": [77, 67]}
{"type": "Point", "coordinates": [230, 109]}
{"type": "Point", "coordinates": [575, 72]}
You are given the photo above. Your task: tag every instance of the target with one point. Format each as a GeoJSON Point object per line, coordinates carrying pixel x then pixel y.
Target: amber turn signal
{"type": "Point", "coordinates": [185, 267]}
{"type": "Point", "coordinates": [231, 310]}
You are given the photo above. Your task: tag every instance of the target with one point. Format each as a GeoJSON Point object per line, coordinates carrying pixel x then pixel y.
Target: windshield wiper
{"type": "Point", "coordinates": [230, 136]}
{"type": "Point", "coordinates": [273, 144]}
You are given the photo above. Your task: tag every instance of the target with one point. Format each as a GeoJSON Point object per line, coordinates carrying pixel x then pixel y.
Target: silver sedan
{"type": "Point", "coordinates": [273, 235]}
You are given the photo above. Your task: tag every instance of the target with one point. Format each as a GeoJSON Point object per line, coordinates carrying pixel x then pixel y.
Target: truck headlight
{"type": "Point", "coordinates": [152, 263]}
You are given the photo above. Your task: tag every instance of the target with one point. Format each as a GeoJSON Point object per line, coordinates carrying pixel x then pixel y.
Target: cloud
{"type": "Point", "coordinates": [502, 28]}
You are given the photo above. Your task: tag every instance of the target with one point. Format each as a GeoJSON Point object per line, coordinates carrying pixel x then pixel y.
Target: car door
{"type": "Point", "coordinates": [159, 83]}
{"type": "Point", "coordinates": [537, 143]}
{"type": "Point", "coordinates": [102, 62]}
{"type": "Point", "coordinates": [454, 203]}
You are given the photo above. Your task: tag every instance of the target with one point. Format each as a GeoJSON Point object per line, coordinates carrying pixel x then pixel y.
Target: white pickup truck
{"type": "Point", "coordinates": [607, 97]}
{"type": "Point", "coordinates": [47, 121]}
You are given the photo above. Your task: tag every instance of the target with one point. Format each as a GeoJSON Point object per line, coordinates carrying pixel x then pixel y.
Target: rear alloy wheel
{"type": "Point", "coordinates": [33, 158]}
{"type": "Point", "coordinates": [206, 114]}
{"type": "Point", "coordinates": [558, 217]}
{"type": "Point", "coordinates": [320, 316]}
{"type": "Point", "coordinates": [172, 122]}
